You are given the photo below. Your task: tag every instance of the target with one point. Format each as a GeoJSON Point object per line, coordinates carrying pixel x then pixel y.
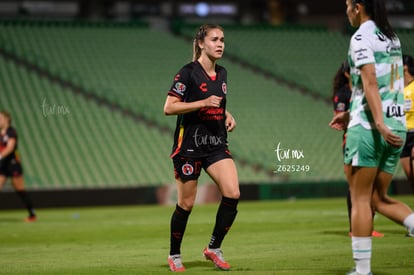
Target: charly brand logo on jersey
{"type": "Point", "coordinates": [224, 87]}
{"type": "Point", "coordinates": [177, 77]}
{"type": "Point", "coordinates": [187, 169]}
{"type": "Point", "coordinates": [180, 88]}
{"type": "Point", "coordinates": [203, 87]}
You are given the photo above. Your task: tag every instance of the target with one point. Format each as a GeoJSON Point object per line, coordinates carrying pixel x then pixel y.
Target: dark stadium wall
{"type": "Point", "coordinates": [166, 195]}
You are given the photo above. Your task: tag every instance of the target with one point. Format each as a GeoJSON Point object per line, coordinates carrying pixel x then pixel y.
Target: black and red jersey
{"type": "Point", "coordinates": [4, 139]}
{"type": "Point", "coordinates": [203, 131]}
{"type": "Point", "coordinates": [341, 100]}
{"type": "Point", "coordinates": [341, 103]}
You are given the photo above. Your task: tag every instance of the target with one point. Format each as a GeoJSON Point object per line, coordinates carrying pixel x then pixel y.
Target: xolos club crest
{"type": "Point", "coordinates": [187, 169]}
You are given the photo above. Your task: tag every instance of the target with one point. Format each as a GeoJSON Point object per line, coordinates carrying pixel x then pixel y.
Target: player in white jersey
{"type": "Point", "coordinates": [376, 125]}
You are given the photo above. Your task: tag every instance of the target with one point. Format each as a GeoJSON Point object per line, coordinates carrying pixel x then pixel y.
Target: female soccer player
{"type": "Point", "coordinates": [407, 154]}
{"type": "Point", "coordinates": [341, 99]}
{"type": "Point", "coordinates": [10, 165]}
{"type": "Point", "coordinates": [198, 98]}
{"type": "Point", "coordinates": [376, 128]}
{"type": "Point", "coordinates": [341, 89]}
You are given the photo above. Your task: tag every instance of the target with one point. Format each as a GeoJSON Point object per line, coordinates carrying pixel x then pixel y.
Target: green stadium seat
{"type": "Point", "coordinates": [131, 67]}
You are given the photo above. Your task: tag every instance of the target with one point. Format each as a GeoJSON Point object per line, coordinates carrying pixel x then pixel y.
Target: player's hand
{"type": "Point", "coordinates": [212, 101]}
{"type": "Point", "coordinates": [230, 122]}
{"type": "Point", "coordinates": [340, 121]}
{"type": "Point", "coordinates": [391, 138]}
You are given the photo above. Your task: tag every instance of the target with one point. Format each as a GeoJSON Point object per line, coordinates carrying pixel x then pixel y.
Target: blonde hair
{"type": "Point", "coordinates": [7, 115]}
{"type": "Point", "coordinates": [200, 35]}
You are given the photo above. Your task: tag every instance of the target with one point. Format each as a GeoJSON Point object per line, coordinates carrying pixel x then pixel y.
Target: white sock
{"type": "Point", "coordinates": [362, 250]}
{"type": "Point", "coordinates": [409, 222]}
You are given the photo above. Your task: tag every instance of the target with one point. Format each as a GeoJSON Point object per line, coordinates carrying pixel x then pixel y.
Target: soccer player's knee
{"type": "Point", "coordinates": [380, 202]}
{"type": "Point", "coordinates": [234, 194]}
{"type": "Point", "coordinates": [187, 205]}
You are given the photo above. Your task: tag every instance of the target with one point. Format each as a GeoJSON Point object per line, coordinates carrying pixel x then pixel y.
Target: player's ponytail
{"type": "Point", "coordinates": [200, 35]}
{"type": "Point", "coordinates": [377, 11]}
{"type": "Point", "coordinates": [340, 79]}
{"type": "Point", "coordinates": [196, 50]}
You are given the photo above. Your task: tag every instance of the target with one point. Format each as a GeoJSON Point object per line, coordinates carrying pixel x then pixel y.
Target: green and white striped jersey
{"type": "Point", "coordinates": [368, 45]}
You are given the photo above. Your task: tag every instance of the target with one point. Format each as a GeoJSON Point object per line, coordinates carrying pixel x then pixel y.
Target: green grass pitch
{"type": "Point", "coordinates": [270, 237]}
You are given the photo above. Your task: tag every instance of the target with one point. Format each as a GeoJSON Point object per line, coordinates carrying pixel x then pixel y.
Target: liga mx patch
{"type": "Point", "coordinates": [187, 169]}
{"type": "Point", "coordinates": [180, 88]}
{"type": "Point", "coordinates": [224, 87]}
{"type": "Point", "coordinates": [340, 107]}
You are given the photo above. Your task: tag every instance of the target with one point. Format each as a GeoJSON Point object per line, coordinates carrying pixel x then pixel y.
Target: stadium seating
{"type": "Point", "coordinates": [129, 68]}
{"type": "Point", "coordinates": [88, 146]}
{"type": "Point", "coordinates": [407, 40]}
{"type": "Point", "coordinates": [91, 146]}
{"type": "Point", "coordinates": [304, 55]}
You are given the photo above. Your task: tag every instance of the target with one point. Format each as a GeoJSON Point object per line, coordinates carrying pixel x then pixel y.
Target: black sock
{"type": "Point", "coordinates": [226, 214]}
{"type": "Point", "coordinates": [178, 224]}
{"type": "Point", "coordinates": [27, 202]}
{"type": "Point", "coordinates": [349, 206]}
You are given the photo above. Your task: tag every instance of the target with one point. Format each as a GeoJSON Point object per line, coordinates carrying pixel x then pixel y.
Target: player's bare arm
{"type": "Point", "coordinates": [175, 106]}
{"type": "Point", "coordinates": [9, 148]}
